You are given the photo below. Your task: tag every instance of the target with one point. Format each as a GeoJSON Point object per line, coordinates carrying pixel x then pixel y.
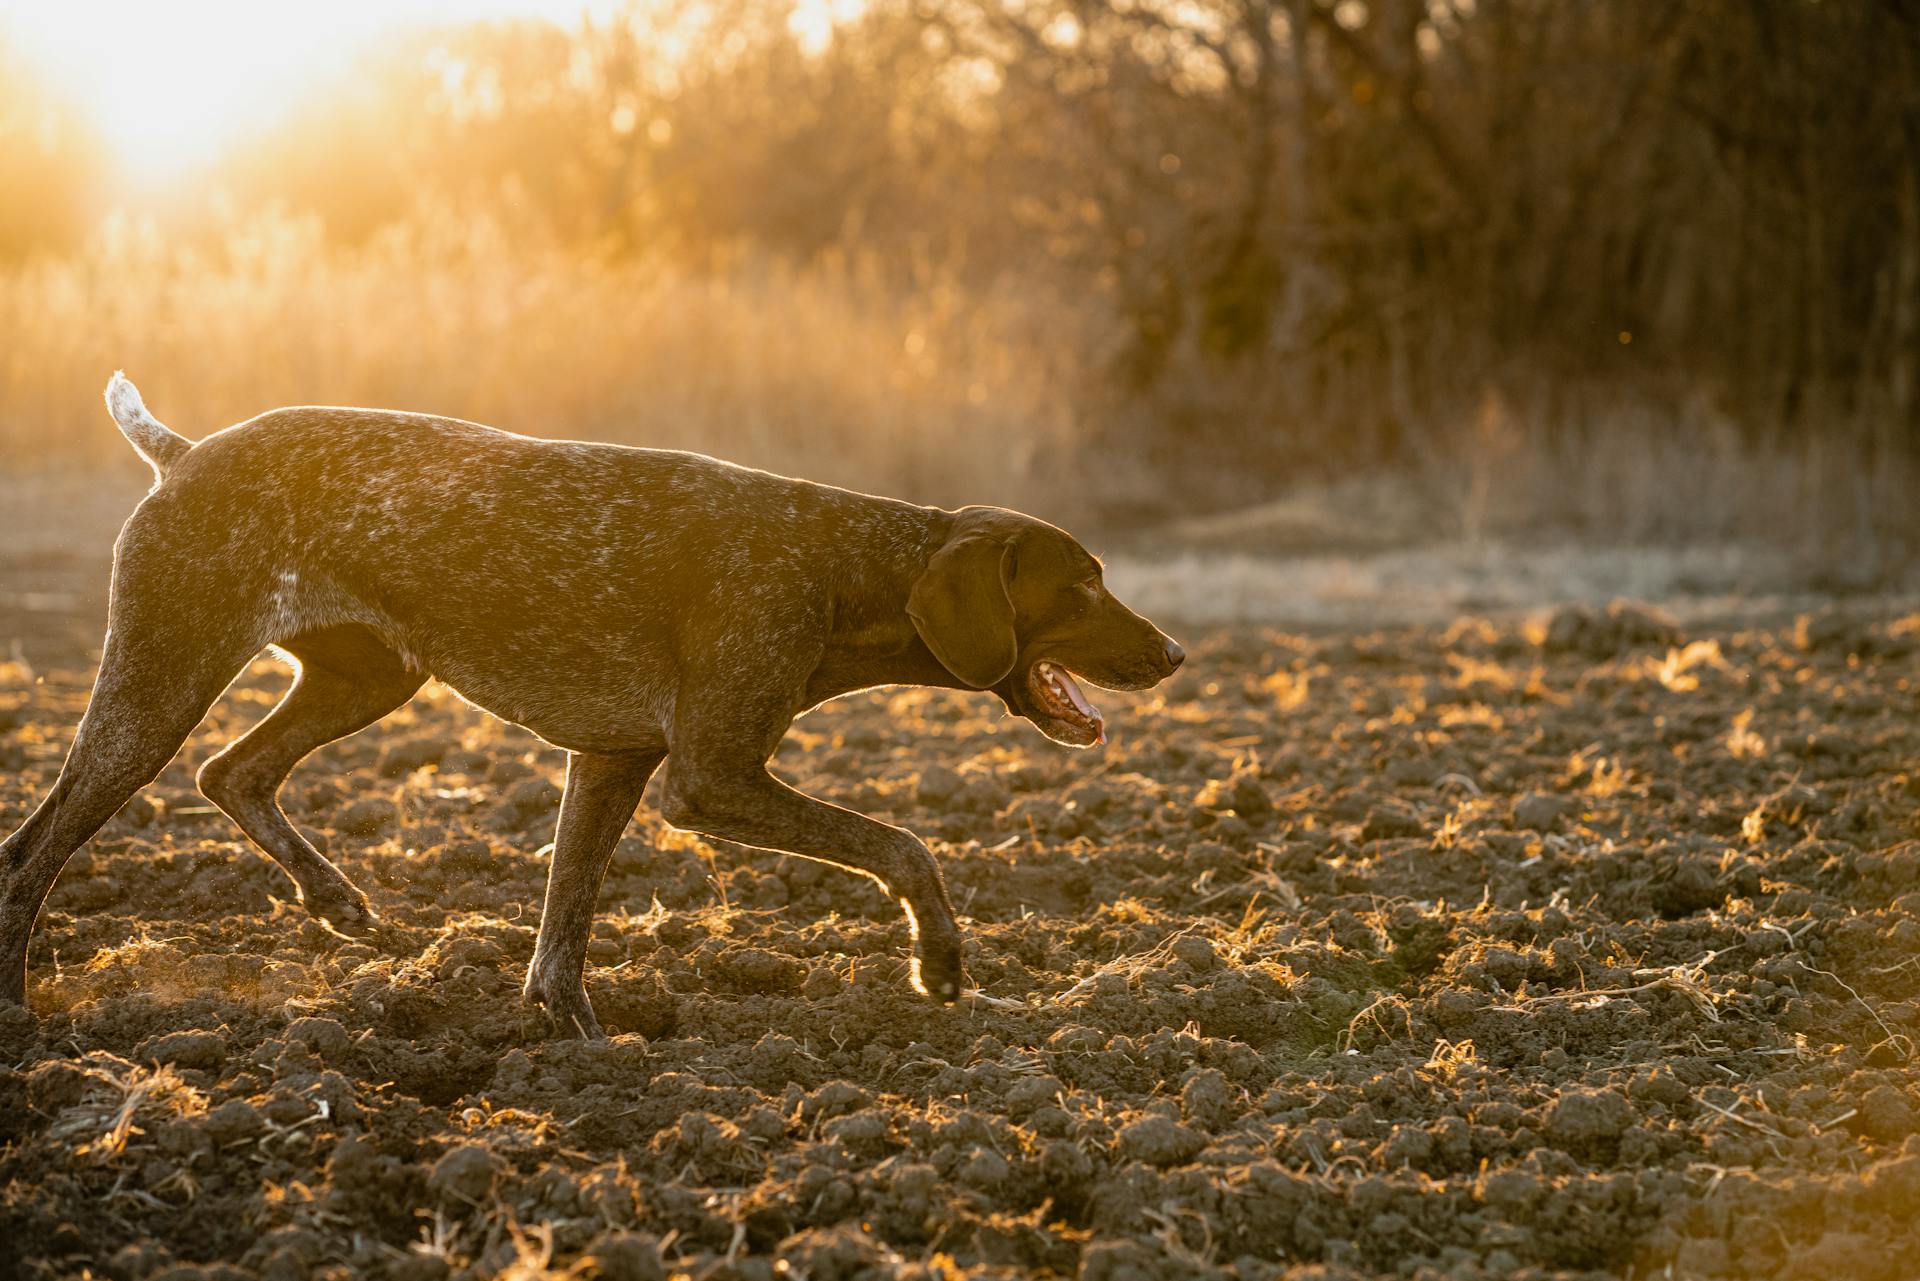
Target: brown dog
{"type": "Point", "coordinates": [625, 604]}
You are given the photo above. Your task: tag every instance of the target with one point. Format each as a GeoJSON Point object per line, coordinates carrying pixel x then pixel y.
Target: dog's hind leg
{"type": "Point", "coordinates": [158, 676]}
{"type": "Point", "coordinates": [348, 680]}
{"type": "Point", "coordinates": [602, 793]}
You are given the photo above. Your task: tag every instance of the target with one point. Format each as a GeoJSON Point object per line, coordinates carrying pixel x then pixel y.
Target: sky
{"type": "Point", "coordinates": [170, 83]}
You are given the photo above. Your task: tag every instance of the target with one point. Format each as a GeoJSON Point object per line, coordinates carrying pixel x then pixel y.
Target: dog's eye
{"type": "Point", "coordinates": [1089, 587]}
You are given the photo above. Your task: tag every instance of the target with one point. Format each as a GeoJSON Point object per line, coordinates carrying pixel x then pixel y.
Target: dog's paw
{"type": "Point", "coordinates": [348, 917]}
{"type": "Point", "coordinates": [938, 971]}
{"type": "Point", "coordinates": [568, 1014]}
{"type": "Point", "coordinates": [345, 913]}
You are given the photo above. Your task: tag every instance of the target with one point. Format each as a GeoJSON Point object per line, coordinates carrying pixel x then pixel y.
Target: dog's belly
{"type": "Point", "coordinates": [601, 713]}
{"type": "Point", "coordinates": [583, 689]}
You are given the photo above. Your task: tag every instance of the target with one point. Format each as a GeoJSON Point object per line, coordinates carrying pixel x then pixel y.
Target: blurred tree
{"type": "Point", "coordinates": [1348, 214]}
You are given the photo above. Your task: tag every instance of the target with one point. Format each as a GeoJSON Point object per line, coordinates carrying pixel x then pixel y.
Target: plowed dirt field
{"type": "Point", "coordinates": [1585, 948]}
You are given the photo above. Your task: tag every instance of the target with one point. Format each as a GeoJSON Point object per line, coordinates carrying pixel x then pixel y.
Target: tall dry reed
{"type": "Point", "coordinates": [830, 371]}
{"type": "Point", "coordinates": [926, 388]}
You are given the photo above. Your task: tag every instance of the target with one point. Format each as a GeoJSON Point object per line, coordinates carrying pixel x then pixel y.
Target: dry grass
{"type": "Point", "coordinates": [120, 1102]}
{"type": "Point", "coordinates": [831, 371]}
{"type": "Point", "coordinates": [903, 381]}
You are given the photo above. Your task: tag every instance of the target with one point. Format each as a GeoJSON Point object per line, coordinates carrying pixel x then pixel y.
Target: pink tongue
{"type": "Point", "coordinates": [1065, 683]}
{"type": "Point", "coordinates": [1072, 690]}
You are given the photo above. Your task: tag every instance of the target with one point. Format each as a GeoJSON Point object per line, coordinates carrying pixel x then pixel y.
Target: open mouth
{"type": "Point", "coordinates": [1057, 696]}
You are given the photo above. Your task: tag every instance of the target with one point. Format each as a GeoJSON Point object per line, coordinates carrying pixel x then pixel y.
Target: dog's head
{"type": "Point", "coordinates": [1011, 604]}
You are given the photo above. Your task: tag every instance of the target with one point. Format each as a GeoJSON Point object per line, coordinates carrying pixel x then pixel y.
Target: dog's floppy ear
{"type": "Point", "coordinates": [961, 608]}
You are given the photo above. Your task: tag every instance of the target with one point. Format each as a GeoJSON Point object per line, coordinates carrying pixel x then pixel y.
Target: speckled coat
{"type": "Point", "coordinates": [624, 604]}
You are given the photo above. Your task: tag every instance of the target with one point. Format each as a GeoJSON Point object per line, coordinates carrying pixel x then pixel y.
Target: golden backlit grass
{"type": "Point", "coordinates": [891, 377]}
{"type": "Point", "coordinates": [831, 371]}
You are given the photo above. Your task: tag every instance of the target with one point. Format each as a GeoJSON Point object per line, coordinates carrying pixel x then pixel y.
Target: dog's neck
{"type": "Point", "coordinates": [872, 589]}
{"type": "Point", "coordinates": [873, 641]}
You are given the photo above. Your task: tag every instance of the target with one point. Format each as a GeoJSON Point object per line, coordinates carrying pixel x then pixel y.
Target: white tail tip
{"type": "Point", "coordinates": [156, 443]}
{"type": "Point", "coordinates": [123, 400]}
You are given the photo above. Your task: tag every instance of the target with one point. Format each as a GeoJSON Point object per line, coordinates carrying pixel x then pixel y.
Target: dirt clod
{"type": "Point", "coordinates": [1159, 1140]}
{"type": "Point", "coordinates": [467, 1174]}
{"type": "Point", "coordinates": [1540, 812]}
{"type": "Point", "coordinates": [1584, 1121]}
{"type": "Point", "coordinates": [369, 816]}
{"type": "Point", "coordinates": [203, 1050]}
{"type": "Point", "coordinates": [1887, 1113]}
{"type": "Point", "coordinates": [625, 1256]}
{"type": "Point", "coordinates": [1591, 959]}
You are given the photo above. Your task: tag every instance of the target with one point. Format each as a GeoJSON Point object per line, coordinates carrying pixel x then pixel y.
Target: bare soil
{"type": "Point", "coordinates": [1587, 948]}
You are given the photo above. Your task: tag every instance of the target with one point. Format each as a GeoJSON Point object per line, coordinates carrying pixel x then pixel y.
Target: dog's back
{"type": "Point", "coordinates": [475, 553]}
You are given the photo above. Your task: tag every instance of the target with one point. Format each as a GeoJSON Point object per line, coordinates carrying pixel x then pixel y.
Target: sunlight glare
{"type": "Point", "coordinates": [169, 86]}
{"type": "Point", "coordinates": [813, 21]}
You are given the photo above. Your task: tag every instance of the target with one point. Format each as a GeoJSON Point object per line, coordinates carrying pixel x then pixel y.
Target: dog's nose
{"type": "Point", "coordinates": [1175, 655]}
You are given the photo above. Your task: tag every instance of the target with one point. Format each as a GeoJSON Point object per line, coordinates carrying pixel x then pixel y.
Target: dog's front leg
{"type": "Point", "coordinates": [735, 799]}
{"type": "Point", "coordinates": [602, 793]}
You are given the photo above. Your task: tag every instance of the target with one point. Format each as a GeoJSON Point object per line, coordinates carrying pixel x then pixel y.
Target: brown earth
{"type": "Point", "coordinates": [1475, 952]}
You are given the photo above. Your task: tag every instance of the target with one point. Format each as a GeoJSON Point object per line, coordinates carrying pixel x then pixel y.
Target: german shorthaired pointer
{"type": "Point", "coordinates": [625, 604]}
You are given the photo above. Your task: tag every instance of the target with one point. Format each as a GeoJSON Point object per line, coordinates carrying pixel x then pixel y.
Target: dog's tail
{"type": "Point", "coordinates": [159, 444]}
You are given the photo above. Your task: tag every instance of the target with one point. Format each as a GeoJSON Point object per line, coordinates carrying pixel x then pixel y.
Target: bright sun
{"type": "Point", "coordinates": [170, 83]}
